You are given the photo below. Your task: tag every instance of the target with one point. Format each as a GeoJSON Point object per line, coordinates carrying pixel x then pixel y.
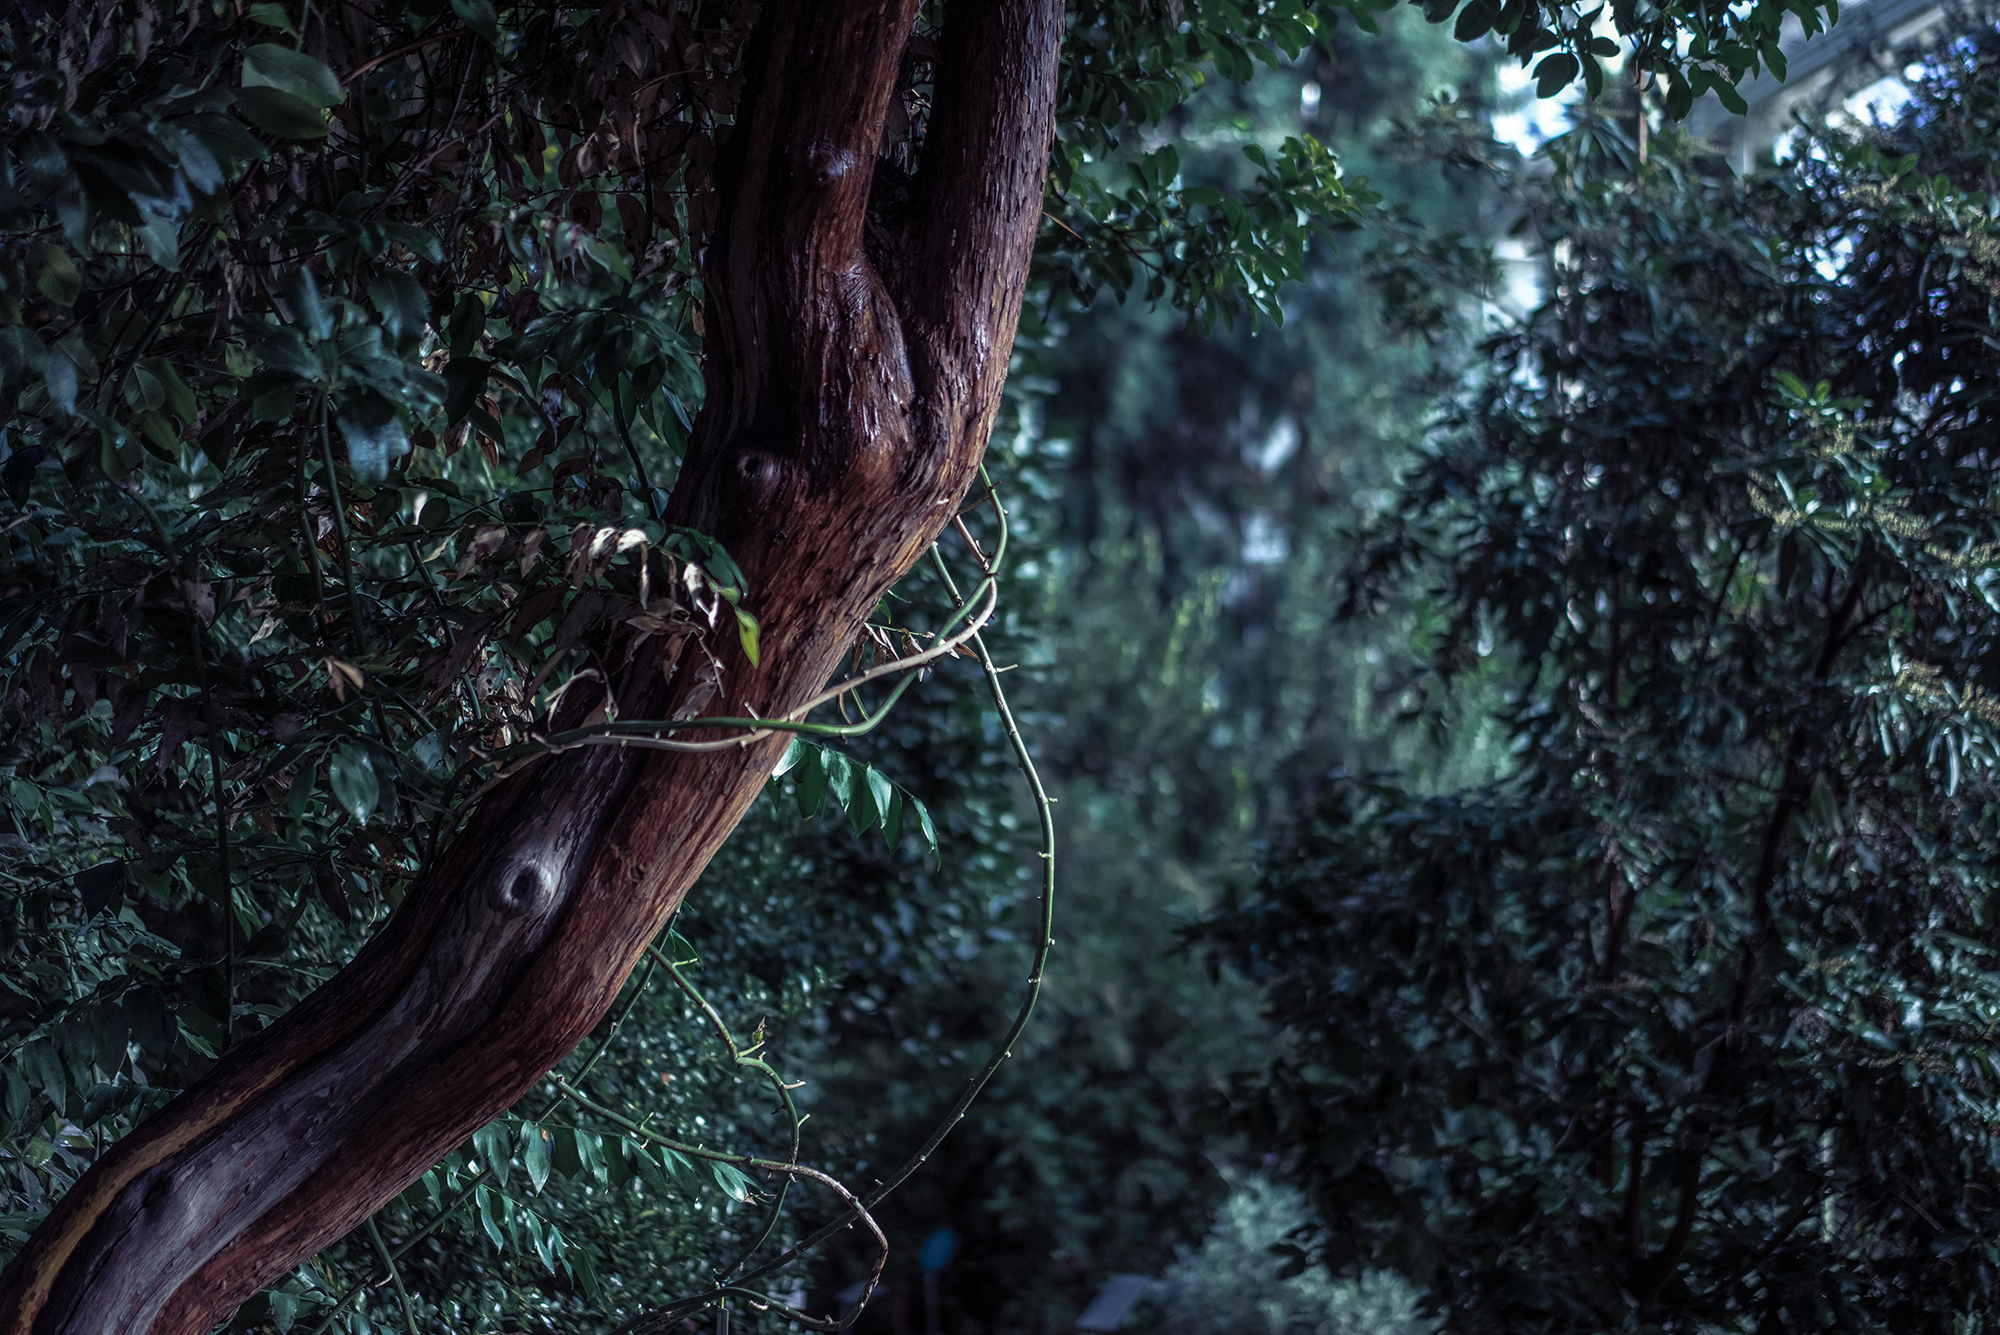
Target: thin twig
{"type": "Point", "coordinates": [411, 49]}
{"type": "Point", "coordinates": [625, 430]}
{"type": "Point", "coordinates": [395, 1277]}
{"type": "Point", "coordinates": [748, 1062]}
{"type": "Point", "coordinates": [190, 579]}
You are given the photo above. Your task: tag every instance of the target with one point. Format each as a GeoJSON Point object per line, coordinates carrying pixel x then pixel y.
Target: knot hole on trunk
{"type": "Point", "coordinates": [758, 471]}
{"type": "Point", "coordinates": [828, 162]}
{"type": "Point", "coordinates": [523, 888]}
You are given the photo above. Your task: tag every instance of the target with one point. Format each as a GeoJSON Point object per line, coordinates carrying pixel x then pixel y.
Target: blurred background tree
{"type": "Point", "coordinates": [1685, 1021]}
{"type": "Point", "coordinates": [1237, 1280]}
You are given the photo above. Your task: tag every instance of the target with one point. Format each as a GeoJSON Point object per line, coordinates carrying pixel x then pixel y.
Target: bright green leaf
{"type": "Point", "coordinates": [839, 777]}
{"type": "Point", "coordinates": [794, 753]}
{"type": "Point", "coordinates": [924, 824]}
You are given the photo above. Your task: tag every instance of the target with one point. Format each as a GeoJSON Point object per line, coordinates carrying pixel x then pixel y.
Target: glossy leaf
{"type": "Point", "coordinates": [351, 775]}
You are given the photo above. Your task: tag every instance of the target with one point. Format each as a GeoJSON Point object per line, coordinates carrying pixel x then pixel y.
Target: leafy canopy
{"type": "Point", "coordinates": [1688, 1023]}
{"type": "Point", "coordinates": [348, 354]}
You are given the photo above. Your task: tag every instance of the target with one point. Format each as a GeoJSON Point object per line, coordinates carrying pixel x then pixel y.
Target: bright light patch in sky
{"type": "Point", "coordinates": [1530, 121]}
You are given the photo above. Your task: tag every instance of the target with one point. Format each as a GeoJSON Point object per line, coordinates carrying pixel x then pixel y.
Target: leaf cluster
{"type": "Point", "coordinates": [1688, 1023]}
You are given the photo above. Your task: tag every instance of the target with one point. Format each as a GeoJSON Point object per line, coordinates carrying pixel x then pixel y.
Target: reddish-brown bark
{"type": "Point", "coordinates": [854, 366]}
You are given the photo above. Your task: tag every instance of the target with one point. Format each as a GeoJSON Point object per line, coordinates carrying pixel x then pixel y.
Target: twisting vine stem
{"type": "Point", "coordinates": [745, 1059]}
{"type": "Point", "coordinates": [340, 531]}
{"type": "Point", "coordinates": [650, 734]}
{"type": "Point", "coordinates": [664, 1319]}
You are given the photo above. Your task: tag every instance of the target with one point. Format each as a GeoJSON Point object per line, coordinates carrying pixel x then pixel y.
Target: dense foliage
{"type": "Point", "coordinates": [349, 356]}
{"type": "Point", "coordinates": [1687, 1023]}
{"type": "Point", "coordinates": [348, 352]}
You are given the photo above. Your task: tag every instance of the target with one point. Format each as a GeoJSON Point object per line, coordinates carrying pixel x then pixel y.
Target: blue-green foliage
{"type": "Point", "coordinates": [340, 415]}
{"type": "Point", "coordinates": [1687, 1025]}
{"type": "Point", "coordinates": [1236, 1282]}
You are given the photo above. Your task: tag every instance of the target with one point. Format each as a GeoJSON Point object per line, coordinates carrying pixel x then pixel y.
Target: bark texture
{"type": "Point", "coordinates": [854, 365]}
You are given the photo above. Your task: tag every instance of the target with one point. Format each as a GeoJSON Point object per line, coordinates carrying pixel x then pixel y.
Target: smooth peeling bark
{"type": "Point", "coordinates": [854, 367]}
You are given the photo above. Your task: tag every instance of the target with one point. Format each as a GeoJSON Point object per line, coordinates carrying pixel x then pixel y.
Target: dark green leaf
{"type": "Point", "coordinates": [882, 793]}
{"type": "Point", "coordinates": [281, 114]}
{"type": "Point", "coordinates": [478, 15]}
{"type": "Point", "coordinates": [583, 1264]}
{"type": "Point", "coordinates": [733, 1183]}
{"type": "Point", "coordinates": [293, 73]}
{"type": "Point", "coordinates": [44, 1069]}
{"type": "Point", "coordinates": [404, 311]}
{"type": "Point", "coordinates": [930, 830]}
{"type": "Point", "coordinates": [374, 434]}
{"type": "Point", "coordinates": [467, 323]}
{"type": "Point", "coordinates": [1474, 20]}
{"type": "Point", "coordinates": [101, 886]}
{"type": "Point", "coordinates": [563, 1154]}
{"type": "Point", "coordinates": [464, 381]}
{"type": "Point", "coordinates": [839, 778]}
{"type": "Point", "coordinates": [1554, 73]}
{"type": "Point", "coordinates": [154, 1027]}
{"type": "Point", "coordinates": [273, 15]}
{"type": "Point", "coordinates": [812, 782]}
{"type": "Point", "coordinates": [862, 812]}
{"type": "Point", "coordinates": [590, 1153]}
{"type": "Point", "coordinates": [794, 753]}
{"type": "Point", "coordinates": [351, 775]}
{"type": "Point", "coordinates": [536, 1153]}
{"type": "Point", "coordinates": [309, 309]}
{"type": "Point", "coordinates": [60, 376]}
{"type": "Point", "coordinates": [175, 395]}
{"type": "Point", "coordinates": [490, 1142]}
{"type": "Point", "coordinates": [57, 278]}
{"type": "Point", "coordinates": [682, 1170]}
{"type": "Point", "coordinates": [199, 164]}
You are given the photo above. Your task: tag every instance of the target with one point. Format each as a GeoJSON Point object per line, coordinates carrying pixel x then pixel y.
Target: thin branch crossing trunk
{"type": "Point", "coordinates": [854, 363]}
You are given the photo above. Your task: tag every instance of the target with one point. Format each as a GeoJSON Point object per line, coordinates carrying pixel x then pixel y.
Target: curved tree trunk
{"type": "Point", "coordinates": [854, 365]}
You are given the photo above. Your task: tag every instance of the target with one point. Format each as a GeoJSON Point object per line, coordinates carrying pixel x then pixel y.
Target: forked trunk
{"type": "Point", "coordinates": [853, 368]}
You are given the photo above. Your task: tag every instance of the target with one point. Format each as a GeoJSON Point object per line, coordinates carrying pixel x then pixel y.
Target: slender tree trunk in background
{"type": "Point", "coordinates": [854, 365]}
